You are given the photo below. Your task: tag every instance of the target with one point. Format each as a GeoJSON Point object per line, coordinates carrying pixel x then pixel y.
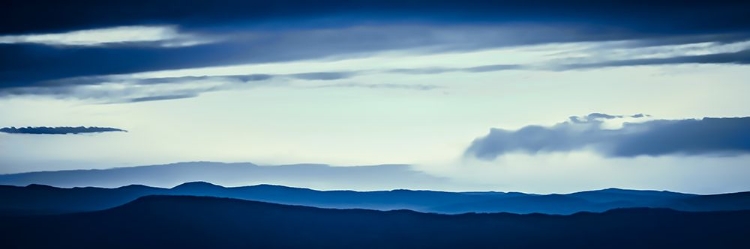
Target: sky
{"type": "Point", "coordinates": [534, 96]}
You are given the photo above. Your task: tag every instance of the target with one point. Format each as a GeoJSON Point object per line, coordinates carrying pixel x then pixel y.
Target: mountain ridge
{"type": "Point", "coordinates": [200, 222]}
{"type": "Point", "coordinates": [36, 198]}
{"type": "Point", "coordinates": [368, 177]}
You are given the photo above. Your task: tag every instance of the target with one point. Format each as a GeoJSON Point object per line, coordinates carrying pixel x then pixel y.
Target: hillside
{"type": "Point", "coordinates": [207, 222]}
{"type": "Point", "coordinates": [40, 199]}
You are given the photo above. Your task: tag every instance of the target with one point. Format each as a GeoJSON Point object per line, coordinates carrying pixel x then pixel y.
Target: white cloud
{"type": "Point", "coordinates": [166, 36]}
{"type": "Point", "coordinates": [597, 52]}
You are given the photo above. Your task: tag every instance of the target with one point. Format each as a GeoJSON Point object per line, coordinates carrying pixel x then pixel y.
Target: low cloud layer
{"type": "Point", "coordinates": [707, 136]}
{"type": "Point", "coordinates": [62, 130]}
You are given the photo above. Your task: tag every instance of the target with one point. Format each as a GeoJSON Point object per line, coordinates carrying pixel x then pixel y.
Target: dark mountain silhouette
{"type": "Point", "coordinates": [40, 199]}
{"type": "Point", "coordinates": [208, 222]}
{"type": "Point", "coordinates": [235, 174]}
{"type": "Point", "coordinates": [592, 201]}
{"type": "Point", "coordinates": [731, 201]}
{"type": "Point", "coordinates": [549, 204]}
{"type": "Point", "coordinates": [614, 194]}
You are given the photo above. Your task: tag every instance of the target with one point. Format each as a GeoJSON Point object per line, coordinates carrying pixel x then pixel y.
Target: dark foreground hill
{"type": "Point", "coordinates": [207, 222]}
{"type": "Point", "coordinates": [39, 199]}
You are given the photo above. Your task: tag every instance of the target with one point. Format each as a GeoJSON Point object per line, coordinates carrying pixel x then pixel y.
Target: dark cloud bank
{"type": "Point", "coordinates": [44, 70]}
{"type": "Point", "coordinates": [707, 136]}
{"type": "Point", "coordinates": [63, 130]}
{"type": "Point", "coordinates": [292, 30]}
{"type": "Point", "coordinates": [256, 31]}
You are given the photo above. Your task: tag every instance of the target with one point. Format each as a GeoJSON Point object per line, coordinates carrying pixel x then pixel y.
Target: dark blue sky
{"type": "Point", "coordinates": [657, 16]}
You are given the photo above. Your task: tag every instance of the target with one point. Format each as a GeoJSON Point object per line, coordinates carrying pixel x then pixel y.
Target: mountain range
{"type": "Point", "coordinates": [210, 222]}
{"type": "Point", "coordinates": [321, 176]}
{"type": "Point", "coordinates": [41, 199]}
{"type": "Point", "coordinates": [114, 208]}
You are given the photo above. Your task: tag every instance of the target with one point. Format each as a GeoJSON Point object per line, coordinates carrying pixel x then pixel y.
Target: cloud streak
{"type": "Point", "coordinates": [124, 37]}
{"type": "Point", "coordinates": [28, 64]}
{"type": "Point", "coordinates": [440, 70]}
{"type": "Point", "coordinates": [163, 36]}
{"type": "Point", "coordinates": [61, 130]}
{"type": "Point", "coordinates": [171, 88]}
{"type": "Point", "coordinates": [51, 73]}
{"type": "Point", "coordinates": [707, 136]}
{"type": "Point", "coordinates": [125, 89]}
{"type": "Point", "coordinates": [740, 58]}
{"type": "Point", "coordinates": [162, 97]}
{"type": "Point", "coordinates": [420, 87]}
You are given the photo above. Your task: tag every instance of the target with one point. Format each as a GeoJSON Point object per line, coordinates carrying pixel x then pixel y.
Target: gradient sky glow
{"type": "Point", "coordinates": [390, 83]}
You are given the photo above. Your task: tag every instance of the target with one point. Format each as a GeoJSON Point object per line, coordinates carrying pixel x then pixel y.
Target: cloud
{"type": "Point", "coordinates": [323, 75]}
{"type": "Point", "coordinates": [29, 65]}
{"type": "Point", "coordinates": [164, 36]}
{"type": "Point", "coordinates": [439, 70]}
{"type": "Point", "coordinates": [597, 117]}
{"type": "Point", "coordinates": [741, 57]}
{"type": "Point", "coordinates": [36, 45]}
{"type": "Point", "coordinates": [127, 89]}
{"type": "Point", "coordinates": [420, 87]}
{"type": "Point", "coordinates": [62, 130]}
{"type": "Point", "coordinates": [162, 97]}
{"type": "Point", "coordinates": [32, 69]}
{"type": "Point", "coordinates": [707, 136]}
{"type": "Point", "coordinates": [121, 88]}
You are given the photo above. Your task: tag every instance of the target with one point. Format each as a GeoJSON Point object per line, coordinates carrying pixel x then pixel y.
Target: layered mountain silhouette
{"type": "Point", "coordinates": [209, 222]}
{"type": "Point", "coordinates": [319, 176]}
{"type": "Point", "coordinates": [47, 210]}
{"type": "Point", "coordinates": [41, 199]}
